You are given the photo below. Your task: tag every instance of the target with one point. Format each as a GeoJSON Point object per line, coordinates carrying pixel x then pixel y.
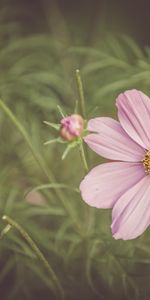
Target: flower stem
{"type": "Point", "coordinates": [89, 213]}
{"type": "Point", "coordinates": [82, 105]}
{"type": "Point", "coordinates": [37, 252]}
{"type": "Point", "coordinates": [83, 157]}
{"type": "Point", "coordinates": [81, 93]}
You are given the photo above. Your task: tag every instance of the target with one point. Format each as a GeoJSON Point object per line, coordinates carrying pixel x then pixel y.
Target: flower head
{"type": "Point", "coordinates": [123, 185]}
{"type": "Point", "coordinates": [71, 127]}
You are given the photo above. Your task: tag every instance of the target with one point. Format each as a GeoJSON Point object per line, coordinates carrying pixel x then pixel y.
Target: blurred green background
{"type": "Point", "coordinates": [42, 43]}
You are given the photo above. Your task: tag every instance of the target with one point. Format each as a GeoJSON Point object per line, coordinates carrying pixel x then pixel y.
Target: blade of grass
{"type": "Point", "coordinates": [38, 253]}
{"type": "Point", "coordinates": [52, 186]}
{"type": "Point", "coordinates": [26, 138]}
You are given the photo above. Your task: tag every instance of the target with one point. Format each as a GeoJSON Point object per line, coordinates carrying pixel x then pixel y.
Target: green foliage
{"type": "Point", "coordinates": [40, 191]}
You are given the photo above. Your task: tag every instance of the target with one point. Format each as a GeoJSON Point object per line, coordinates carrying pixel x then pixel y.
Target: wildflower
{"type": "Point", "coordinates": [123, 185]}
{"type": "Point", "coordinates": [71, 127]}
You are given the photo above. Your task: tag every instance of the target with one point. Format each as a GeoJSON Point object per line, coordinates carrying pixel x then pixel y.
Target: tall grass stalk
{"type": "Point", "coordinates": [58, 288]}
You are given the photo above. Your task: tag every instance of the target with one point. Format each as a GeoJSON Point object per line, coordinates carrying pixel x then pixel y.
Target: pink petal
{"type": "Point", "coordinates": [112, 141]}
{"type": "Point", "coordinates": [131, 213]}
{"type": "Point", "coordinates": [106, 183]}
{"type": "Point", "coordinates": [134, 115]}
{"type": "Point", "coordinates": [96, 123]}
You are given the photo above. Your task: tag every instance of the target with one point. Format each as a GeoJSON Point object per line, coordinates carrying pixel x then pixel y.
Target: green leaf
{"type": "Point", "coordinates": [69, 147]}
{"type": "Point", "coordinates": [53, 125]}
{"type": "Point", "coordinates": [105, 63]}
{"type": "Point", "coordinates": [52, 186]}
{"type": "Point", "coordinates": [57, 140]}
{"type": "Point", "coordinates": [61, 111]}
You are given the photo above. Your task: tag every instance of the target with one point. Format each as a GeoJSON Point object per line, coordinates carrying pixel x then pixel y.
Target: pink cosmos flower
{"type": "Point", "coordinates": [123, 185]}
{"type": "Point", "coordinates": [71, 127]}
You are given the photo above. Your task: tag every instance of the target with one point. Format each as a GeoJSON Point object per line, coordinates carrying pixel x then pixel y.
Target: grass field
{"type": "Point", "coordinates": [40, 191]}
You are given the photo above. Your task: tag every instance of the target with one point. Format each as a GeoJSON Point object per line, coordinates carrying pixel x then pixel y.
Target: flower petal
{"type": "Point", "coordinates": [96, 124]}
{"type": "Point", "coordinates": [112, 141]}
{"type": "Point", "coordinates": [134, 115]}
{"type": "Point", "coordinates": [131, 213]}
{"type": "Point", "coordinates": [105, 184]}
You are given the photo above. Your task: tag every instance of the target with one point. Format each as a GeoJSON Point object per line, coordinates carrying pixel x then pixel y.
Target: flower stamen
{"type": "Point", "coordinates": [146, 162]}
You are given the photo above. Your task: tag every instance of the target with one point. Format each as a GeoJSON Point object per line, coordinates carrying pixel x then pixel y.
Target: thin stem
{"type": "Point", "coordinates": [82, 105]}
{"type": "Point", "coordinates": [89, 212]}
{"type": "Point", "coordinates": [81, 93]}
{"type": "Point", "coordinates": [37, 252]}
{"type": "Point", "coordinates": [83, 157]}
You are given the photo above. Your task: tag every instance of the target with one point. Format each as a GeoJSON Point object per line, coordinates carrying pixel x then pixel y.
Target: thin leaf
{"type": "Point", "coordinates": [52, 186]}
{"type": "Point", "coordinates": [53, 125]}
{"type": "Point", "coordinates": [57, 140]}
{"type": "Point", "coordinates": [68, 148]}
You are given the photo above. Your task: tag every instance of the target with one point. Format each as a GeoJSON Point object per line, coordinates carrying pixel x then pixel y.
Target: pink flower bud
{"type": "Point", "coordinates": [71, 127]}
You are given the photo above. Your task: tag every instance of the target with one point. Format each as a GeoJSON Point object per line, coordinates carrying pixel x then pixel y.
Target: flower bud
{"type": "Point", "coordinates": [71, 127]}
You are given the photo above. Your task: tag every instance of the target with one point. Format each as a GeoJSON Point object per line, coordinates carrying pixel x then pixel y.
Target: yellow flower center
{"type": "Point", "coordinates": [146, 162]}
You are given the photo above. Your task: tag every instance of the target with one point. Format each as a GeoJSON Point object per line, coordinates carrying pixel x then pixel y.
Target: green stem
{"type": "Point", "coordinates": [82, 105]}
{"type": "Point", "coordinates": [89, 212]}
{"type": "Point", "coordinates": [83, 158]}
{"type": "Point", "coordinates": [81, 93]}
{"type": "Point", "coordinates": [37, 252]}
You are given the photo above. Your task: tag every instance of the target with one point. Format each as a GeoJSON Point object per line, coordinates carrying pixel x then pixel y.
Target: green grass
{"type": "Point", "coordinates": [37, 73]}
